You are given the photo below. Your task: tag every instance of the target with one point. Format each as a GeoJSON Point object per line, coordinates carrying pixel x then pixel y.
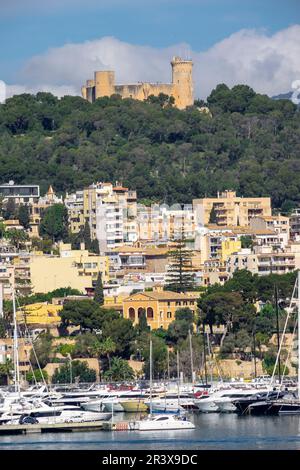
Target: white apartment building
{"type": "Point", "coordinates": [264, 261]}
{"type": "Point", "coordinates": [161, 223]}
{"type": "Point", "coordinates": [295, 225]}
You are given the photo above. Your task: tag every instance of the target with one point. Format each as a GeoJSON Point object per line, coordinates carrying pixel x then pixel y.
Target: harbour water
{"type": "Point", "coordinates": [213, 431]}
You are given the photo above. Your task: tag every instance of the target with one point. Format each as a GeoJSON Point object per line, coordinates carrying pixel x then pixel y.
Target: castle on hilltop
{"type": "Point", "coordinates": [181, 87]}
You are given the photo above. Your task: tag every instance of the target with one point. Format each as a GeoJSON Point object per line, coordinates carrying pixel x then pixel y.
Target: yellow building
{"type": "Point", "coordinates": [230, 209]}
{"type": "Point", "coordinates": [115, 301]}
{"type": "Point", "coordinates": [39, 314]}
{"type": "Point", "coordinates": [159, 306]}
{"type": "Point", "coordinates": [7, 354]}
{"type": "Point", "coordinates": [228, 247]}
{"type": "Point", "coordinates": [78, 269]}
{"type": "Point", "coordinates": [181, 88]}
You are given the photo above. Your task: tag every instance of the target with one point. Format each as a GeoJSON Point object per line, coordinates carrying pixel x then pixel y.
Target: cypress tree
{"type": "Point", "coordinates": [213, 216]}
{"type": "Point", "coordinates": [94, 248]}
{"type": "Point", "coordinates": [86, 235]}
{"type": "Point", "coordinates": [142, 324]}
{"type": "Point", "coordinates": [23, 216]}
{"type": "Point", "coordinates": [10, 209]}
{"type": "Point", "coordinates": [99, 295]}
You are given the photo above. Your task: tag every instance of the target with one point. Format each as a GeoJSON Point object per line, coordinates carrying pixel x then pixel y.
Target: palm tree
{"type": "Point", "coordinates": [108, 346]}
{"type": "Point", "coordinates": [104, 348]}
{"type": "Point", "coordinates": [119, 370]}
{"type": "Point", "coordinates": [6, 370]}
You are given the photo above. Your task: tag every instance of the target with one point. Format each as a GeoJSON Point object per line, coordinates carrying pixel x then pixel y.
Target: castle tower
{"type": "Point", "coordinates": [104, 84]}
{"type": "Point", "coordinates": [182, 81]}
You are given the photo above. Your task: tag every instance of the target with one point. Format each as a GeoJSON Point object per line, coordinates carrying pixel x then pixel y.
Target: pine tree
{"type": "Point", "coordinates": [99, 295]}
{"type": "Point", "coordinates": [54, 223]}
{"type": "Point", "coordinates": [180, 277]}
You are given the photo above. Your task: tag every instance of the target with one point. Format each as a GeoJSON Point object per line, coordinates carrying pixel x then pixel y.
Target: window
{"type": "Point", "coordinates": [150, 313]}
{"type": "Point", "coordinates": [131, 313]}
{"type": "Point", "coordinates": [169, 314]}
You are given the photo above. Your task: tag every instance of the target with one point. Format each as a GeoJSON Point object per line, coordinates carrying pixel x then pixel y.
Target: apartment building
{"type": "Point", "coordinates": [229, 209]}
{"type": "Point", "coordinates": [14, 271]}
{"type": "Point", "coordinates": [78, 269]}
{"type": "Point", "coordinates": [106, 207]}
{"type": "Point", "coordinates": [264, 261]}
{"type": "Point", "coordinates": [74, 204]}
{"type": "Point", "coordinates": [277, 224]}
{"type": "Point", "coordinates": [20, 193]}
{"type": "Point", "coordinates": [295, 225]}
{"type": "Point", "coordinates": [214, 272]}
{"type": "Point", "coordinates": [145, 259]}
{"type": "Point", "coordinates": [161, 223]}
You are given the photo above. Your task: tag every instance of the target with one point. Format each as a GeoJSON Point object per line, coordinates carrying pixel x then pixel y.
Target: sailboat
{"type": "Point", "coordinates": [30, 407]}
{"type": "Point", "coordinates": [160, 422]}
{"type": "Point", "coordinates": [283, 403]}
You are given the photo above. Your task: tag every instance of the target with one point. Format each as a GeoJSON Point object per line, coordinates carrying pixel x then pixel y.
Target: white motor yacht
{"type": "Point", "coordinates": [225, 403]}
{"type": "Point", "coordinates": [161, 423]}
{"type": "Point", "coordinates": [170, 402]}
{"type": "Point", "coordinates": [50, 415]}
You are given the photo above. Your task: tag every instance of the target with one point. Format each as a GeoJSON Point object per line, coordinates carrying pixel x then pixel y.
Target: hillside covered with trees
{"type": "Point", "coordinates": [248, 142]}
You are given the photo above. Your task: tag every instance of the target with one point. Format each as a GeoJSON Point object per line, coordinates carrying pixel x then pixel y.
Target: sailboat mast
{"type": "Point", "coordinates": [16, 346]}
{"type": "Point", "coordinates": [278, 335]}
{"type": "Point", "coordinates": [204, 352]}
{"type": "Point", "coordinates": [150, 375]}
{"type": "Point", "coordinates": [191, 354]}
{"type": "Point", "coordinates": [299, 334]}
{"type": "Point", "coordinates": [178, 387]}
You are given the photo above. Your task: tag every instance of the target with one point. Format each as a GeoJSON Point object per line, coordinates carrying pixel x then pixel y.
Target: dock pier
{"type": "Point", "coordinates": [55, 427]}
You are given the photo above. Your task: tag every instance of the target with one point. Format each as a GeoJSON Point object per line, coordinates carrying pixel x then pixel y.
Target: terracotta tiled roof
{"type": "Point", "coordinates": [165, 295]}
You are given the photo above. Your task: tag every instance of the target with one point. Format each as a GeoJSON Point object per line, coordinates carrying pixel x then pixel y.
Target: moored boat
{"type": "Point", "coordinates": [161, 423]}
{"type": "Point", "coordinates": [133, 405]}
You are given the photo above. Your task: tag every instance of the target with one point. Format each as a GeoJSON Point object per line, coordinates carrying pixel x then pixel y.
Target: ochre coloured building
{"type": "Point", "coordinates": [159, 306]}
{"type": "Point", "coordinates": [181, 87]}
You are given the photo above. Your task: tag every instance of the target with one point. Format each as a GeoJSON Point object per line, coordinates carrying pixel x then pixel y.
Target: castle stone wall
{"type": "Point", "coordinates": [181, 87]}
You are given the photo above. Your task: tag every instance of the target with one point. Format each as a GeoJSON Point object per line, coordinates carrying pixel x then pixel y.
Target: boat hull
{"type": "Point", "coordinates": [207, 406]}
{"type": "Point", "coordinates": [133, 406]}
{"type": "Point", "coordinates": [161, 424]}
{"type": "Point", "coordinates": [113, 406]}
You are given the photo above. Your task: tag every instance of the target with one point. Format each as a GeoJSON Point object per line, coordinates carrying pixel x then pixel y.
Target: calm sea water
{"type": "Point", "coordinates": [213, 431]}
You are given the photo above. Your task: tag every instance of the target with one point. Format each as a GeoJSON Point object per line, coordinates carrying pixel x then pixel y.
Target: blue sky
{"type": "Point", "coordinates": [31, 27]}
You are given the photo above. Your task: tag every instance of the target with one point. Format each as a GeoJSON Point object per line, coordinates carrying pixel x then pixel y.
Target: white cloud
{"type": "Point", "coordinates": [267, 63]}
